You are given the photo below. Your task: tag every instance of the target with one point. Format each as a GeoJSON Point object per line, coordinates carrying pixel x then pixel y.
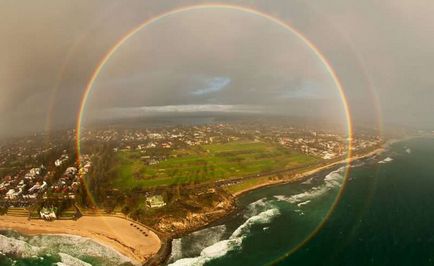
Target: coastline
{"type": "Point", "coordinates": [130, 241]}
{"type": "Point", "coordinates": [301, 176]}
{"type": "Point", "coordinates": [162, 257]}
{"type": "Point", "coordinates": [124, 236]}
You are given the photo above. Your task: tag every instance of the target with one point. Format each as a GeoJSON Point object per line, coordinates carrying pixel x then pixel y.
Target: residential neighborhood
{"type": "Point", "coordinates": [62, 175]}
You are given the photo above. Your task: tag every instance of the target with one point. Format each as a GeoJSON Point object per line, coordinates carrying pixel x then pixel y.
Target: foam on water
{"type": "Point", "coordinates": [21, 246]}
{"type": "Point", "coordinates": [222, 247]}
{"type": "Point", "coordinates": [256, 207]}
{"type": "Point", "coordinates": [261, 218]}
{"type": "Point", "coordinates": [216, 250]}
{"type": "Point", "coordinates": [67, 260]}
{"type": "Point", "coordinates": [331, 181]}
{"type": "Point", "coordinates": [76, 246]}
{"type": "Point", "coordinates": [386, 160]}
{"type": "Point", "coordinates": [17, 247]}
{"type": "Point", "coordinates": [176, 252]}
{"type": "Point", "coordinates": [196, 242]}
{"type": "Point", "coordinates": [261, 211]}
{"type": "Point", "coordinates": [303, 203]}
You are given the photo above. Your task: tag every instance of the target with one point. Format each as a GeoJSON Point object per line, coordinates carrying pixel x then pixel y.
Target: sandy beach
{"type": "Point", "coordinates": [120, 234]}
{"type": "Point", "coordinates": [124, 236]}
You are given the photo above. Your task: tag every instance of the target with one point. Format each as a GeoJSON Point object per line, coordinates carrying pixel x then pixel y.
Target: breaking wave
{"type": "Point", "coordinates": [17, 247]}
{"type": "Point", "coordinates": [303, 203]}
{"type": "Point", "coordinates": [176, 252]}
{"type": "Point", "coordinates": [259, 212]}
{"type": "Point", "coordinates": [331, 181]}
{"type": "Point", "coordinates": [386, 160]}
{"type": "Point", "coordinates": [256, 207]}
{"type": "Point", "coordinates": [67, 260]}
{"type": "Point", "coordinates": [196, 242]}
{"type": "Point", "coordinates": [222, 247]}
{"type": "Point", "coordinates": [262, 218]}
{"type": "Point", "coordinates": [69, 248]}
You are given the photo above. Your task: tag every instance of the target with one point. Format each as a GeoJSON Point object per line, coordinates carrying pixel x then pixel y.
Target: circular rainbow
{"type": "Point", "coordinates": [248, 10]}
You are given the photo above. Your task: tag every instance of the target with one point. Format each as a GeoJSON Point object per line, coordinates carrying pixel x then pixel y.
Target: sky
{"type": "Point", "coordinates": [215, 61]}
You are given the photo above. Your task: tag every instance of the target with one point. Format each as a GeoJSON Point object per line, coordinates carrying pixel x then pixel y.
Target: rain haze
{"type": "Point", "coordinates": [228, 132]}
{"type": "Point", "coordinates": [215, 61]}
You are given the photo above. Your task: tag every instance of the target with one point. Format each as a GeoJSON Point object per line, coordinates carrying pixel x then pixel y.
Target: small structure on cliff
{"type": "Point", "coordinates": [155, 201]}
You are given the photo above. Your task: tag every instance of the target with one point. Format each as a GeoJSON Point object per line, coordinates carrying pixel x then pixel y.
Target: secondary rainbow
{"type": "Point", "coordinates": [248, 10]}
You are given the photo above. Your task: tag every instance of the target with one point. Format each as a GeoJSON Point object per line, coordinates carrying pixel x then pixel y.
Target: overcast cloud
{"type": "Point", "coordinates": [214, 60]}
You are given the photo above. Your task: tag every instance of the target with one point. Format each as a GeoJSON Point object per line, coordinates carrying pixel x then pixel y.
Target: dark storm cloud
{"type": "Point", "coordinates": [50, 46]}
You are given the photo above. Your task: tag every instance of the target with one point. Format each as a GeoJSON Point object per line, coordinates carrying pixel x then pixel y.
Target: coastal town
{"type": "Point", "coordinates": [25, 185]}
{"type": "Point", "coordinates": [45, 177]}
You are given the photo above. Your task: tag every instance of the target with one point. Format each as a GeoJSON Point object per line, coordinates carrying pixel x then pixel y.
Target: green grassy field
{"type": "Point", "coordinates": [205, 163]}
{"type": "Point", "coordinates": [246, 184]}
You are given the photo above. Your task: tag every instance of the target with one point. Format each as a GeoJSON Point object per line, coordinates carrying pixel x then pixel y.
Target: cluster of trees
{"type": "Point", "coordinates": [96, 188]}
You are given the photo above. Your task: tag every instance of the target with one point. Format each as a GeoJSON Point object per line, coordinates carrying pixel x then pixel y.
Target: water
{"type": "Point", "coordinates": [19, 249]}
{"type": "Point", "coordinates": [385, 217]}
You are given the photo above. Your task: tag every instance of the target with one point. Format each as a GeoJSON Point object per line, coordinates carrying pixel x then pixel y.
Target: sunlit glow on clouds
{"type": "Point", "coordinates": [213, 85]}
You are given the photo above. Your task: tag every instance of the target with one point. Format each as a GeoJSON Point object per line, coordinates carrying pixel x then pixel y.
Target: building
{"type": "Point", "coordinates": [48, 214]}
{"type": "Point", "coordinates": [156, 201]}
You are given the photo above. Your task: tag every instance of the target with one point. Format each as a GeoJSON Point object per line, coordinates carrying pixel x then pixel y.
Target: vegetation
{"type": "Point", "coordinates": [247, 184]}
{"type": "Point", "coordinates": [204, 163]}
{"type": "Point", "coordinates": [97, 178]}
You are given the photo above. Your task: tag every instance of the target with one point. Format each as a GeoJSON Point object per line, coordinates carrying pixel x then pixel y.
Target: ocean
{"type": "Point", "coordinates": [61, 250]}
{"type": "Point", "coordinates": [384, 216]}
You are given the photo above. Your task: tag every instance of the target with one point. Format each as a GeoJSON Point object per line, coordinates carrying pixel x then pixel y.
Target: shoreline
{"type": "Point", "coordinates": [117, 233]}
{"type": "Point", "coordinates": [122, 235]}
{"type": "Point", "coordinates": [301, 176]}
{"type": "Point", "coordinates": [164, 257]}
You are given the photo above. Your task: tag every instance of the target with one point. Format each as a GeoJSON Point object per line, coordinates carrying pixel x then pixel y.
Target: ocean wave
{"type": "Point", "coordinates": [78, 246]}
{"type": "Point", "coordinates": [196, 242]}
{"type": "Point", "coordinates": [280, 197]}
{"type": "Point", "coordinates": [214, 251]}
{"type": "Point", "coordinates": [333, 180]}
{"type": "Point", "coordinates": [261, 218]}
{"type": "Point", "coordinates": [300, 212]}
{"type": "Point", "coordinates": [68, 260]}
{"type": "Point", "coordinates": [17, 248]}
{"type": "Point", "coordinates": [386, 160]}
{"type": "Point", "coordinates": [222, 247]}
{"type": "Point", "coordinates": [259, 212]}
{"type": "Point", "coordinates": [303, 203]}
{"type": "Point", "coordinates": [257, 207]}
{"type": "Point", "coordinates": [207, 235]}
{"type": "Point", "coordinates": [22, 246]}
{"type": "Point", "coordinates": [176, 252]}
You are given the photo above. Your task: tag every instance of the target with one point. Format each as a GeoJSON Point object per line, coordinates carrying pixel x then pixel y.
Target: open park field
{"type": "Point", "coordinates": [205, 163]}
